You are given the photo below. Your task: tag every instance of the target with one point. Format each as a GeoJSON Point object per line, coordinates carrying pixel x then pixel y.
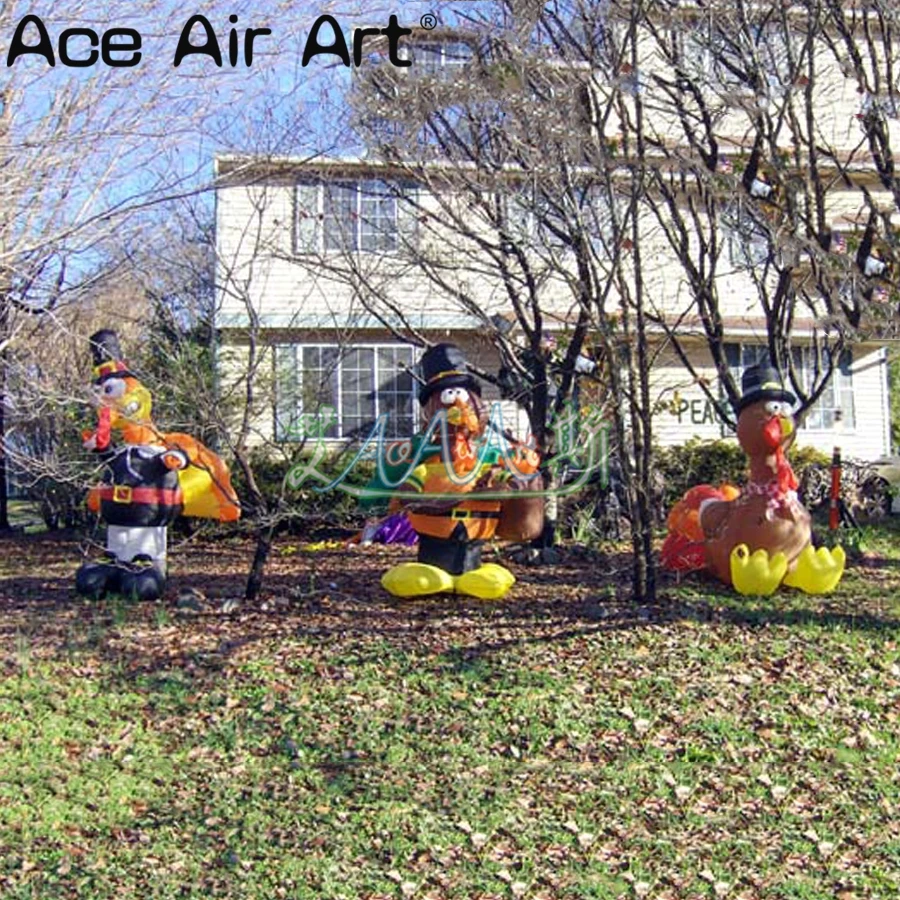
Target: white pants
{"type": "Point", "coordinates": [127, 541]}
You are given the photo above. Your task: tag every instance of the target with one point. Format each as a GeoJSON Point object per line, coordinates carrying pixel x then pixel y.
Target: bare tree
{"type": "Point", "coordinates": [528, 220]}
{"type": "Point", "coordinates": [71, 140]}
{"type": "Point", "coordinates": [91, 153]}
{"type": "Point", "coordinates": [754, 163]}
{"type": "Point", "coordinates": [219, 278]}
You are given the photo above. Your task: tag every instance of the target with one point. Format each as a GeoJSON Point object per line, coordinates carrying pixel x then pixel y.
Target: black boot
{"type": "Point", "coordinates": [142, 580]}
{"type": "Point", "coordinates": [97, 579]}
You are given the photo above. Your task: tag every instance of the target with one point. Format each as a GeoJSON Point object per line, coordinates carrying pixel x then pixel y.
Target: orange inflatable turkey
{"type": "Point", "coordinates": [150, 478]}
{"type": "Point", "coordinates": [459, 494]}
{"type": "Point", "coordinates": [761, 537]}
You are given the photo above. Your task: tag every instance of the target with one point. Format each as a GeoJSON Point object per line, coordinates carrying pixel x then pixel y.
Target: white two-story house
{"type": "Point", "coordinates": [335, 270]}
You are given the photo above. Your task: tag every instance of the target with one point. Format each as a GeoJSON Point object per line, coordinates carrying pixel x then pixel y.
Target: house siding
{"type": "Point", "coordinates": [295, 297]}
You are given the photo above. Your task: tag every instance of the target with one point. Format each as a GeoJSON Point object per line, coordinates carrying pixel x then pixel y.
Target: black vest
{"type": "Point", "coordinates": [138, 488]}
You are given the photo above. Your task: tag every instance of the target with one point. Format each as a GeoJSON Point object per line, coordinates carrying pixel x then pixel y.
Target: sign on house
{"type": "Point", "coordinates": [698, 410]}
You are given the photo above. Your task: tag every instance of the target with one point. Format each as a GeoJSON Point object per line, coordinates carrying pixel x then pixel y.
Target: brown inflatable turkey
{"type": "Point", "coordinates": [763, 537]}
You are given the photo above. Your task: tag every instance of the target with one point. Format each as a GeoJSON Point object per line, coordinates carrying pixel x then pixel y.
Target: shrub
{"type": "Point", "coordinates": [699, 462]}
{"type": "Point", "coordinates": [713, 462]}
{"type": "Point", "coordinates": [306, 508]}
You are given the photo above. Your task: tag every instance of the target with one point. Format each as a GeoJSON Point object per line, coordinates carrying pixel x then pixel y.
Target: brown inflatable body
{"type": "Point", "coordinates": [767, 516]}
{"type": "Point", "coordinates": [522, 518]}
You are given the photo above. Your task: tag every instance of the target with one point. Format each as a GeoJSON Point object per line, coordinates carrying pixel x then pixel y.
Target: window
{"type": "Point", "coordinates": [750, 59]}
{"type": "Point", "coordinates": [359, 383]}
{"type": "Point", "coordinates": [534, 221]}
{"type": "Point", "coordinates": [834, 405]}
{"type": "Point", "coordinates": [369, 216]}
{"type": "Point", "coordinates": [710, 55]}
{"type": "Point", "coordinates": [440, 60]}
{"type": "Point", "coordinates": [836, 402]}
{"type": "Point", "coordinates": [533, 217]}
{"type": "Point", "coordinates": [746, 238]}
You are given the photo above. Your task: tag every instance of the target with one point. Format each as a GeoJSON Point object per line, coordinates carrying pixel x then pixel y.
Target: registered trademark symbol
{"type": "Point", "coordinates": [428, 21]}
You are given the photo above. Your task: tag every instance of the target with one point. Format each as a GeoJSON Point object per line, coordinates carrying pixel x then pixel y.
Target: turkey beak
{"type": "Point", "coordinates": [456, 415]}
{"type": "Point", "coordinates": [778, 430]}
{"type": "Point", "coordinates": [788, 431]}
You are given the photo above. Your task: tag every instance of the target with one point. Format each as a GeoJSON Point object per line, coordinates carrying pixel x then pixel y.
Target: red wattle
{"type": "Point", "coordinates": [772, 433]}
{"type": "Point", "coordinates": [787, 480]}
{"type": "Point", "coordinates": [103, 428]}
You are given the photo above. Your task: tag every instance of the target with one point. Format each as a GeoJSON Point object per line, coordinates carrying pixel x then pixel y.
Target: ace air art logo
{"type": "Point", "coordinates": [82, 47]}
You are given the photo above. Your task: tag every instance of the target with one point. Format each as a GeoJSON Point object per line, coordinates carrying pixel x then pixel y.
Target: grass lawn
{"type": "Point", "coordinates": [25, 516]}
{"type": "Point", "coordinates": [337, 743]}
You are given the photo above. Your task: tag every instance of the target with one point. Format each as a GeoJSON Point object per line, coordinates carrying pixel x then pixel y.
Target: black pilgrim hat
{"type": "Point", "coordinates": [762, 382]}
{"type": "Point", "coordinates": [444, 366]}
{"type": "Point", "coordinates": [107, 355]}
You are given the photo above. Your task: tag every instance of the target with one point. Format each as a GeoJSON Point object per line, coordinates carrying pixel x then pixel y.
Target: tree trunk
{"type": "Point", "coordinates": [264, 537]}
{"type": "Point", "coordinates": [4, 470]}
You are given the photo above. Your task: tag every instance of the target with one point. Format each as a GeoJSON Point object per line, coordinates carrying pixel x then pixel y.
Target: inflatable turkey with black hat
{"type": "Point", "coordinates": [149, 479]}
{"type": "Point", "coordinates": [760, 537]}
{"type": "Point", "coordinates": [460, 492]}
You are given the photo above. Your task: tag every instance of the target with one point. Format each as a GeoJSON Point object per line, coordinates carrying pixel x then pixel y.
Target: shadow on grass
{"type": "Point", "coordinates": [758, 616]}
{"type": "Point", "coordinates": [330, 602]}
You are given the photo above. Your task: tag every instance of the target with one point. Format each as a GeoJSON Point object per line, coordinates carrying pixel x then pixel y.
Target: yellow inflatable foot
{"type": "Point", "coordinates": [817, 571]}
{"type": "Point", "coordinates": [756, 573]}
{"type": "Point", "coordinates": [487, 582]}
{"type": "Point", "coordinates": [415, 579]}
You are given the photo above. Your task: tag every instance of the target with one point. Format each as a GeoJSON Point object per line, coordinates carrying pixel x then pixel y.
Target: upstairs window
{"type": "Point", "coordinates": [440, 59]}
{"type": "Point", "coordinates": [535, 218]}
{"type": "Point", "coordinates": [369, 216]}
{"type": "Point", "coordinates": [753, 59]}
{"type": "Point", "coordinates": [746, 238]}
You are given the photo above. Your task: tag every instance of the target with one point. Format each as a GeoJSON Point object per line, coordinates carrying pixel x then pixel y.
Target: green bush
{"type": "Point", "coordinates": [713, 462]}
{"type": "Point", "coordinates": [696, 462]}
{"type": "Point", "coordinates": [305, 508]}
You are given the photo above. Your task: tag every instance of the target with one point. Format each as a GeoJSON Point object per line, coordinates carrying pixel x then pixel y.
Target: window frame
{"type": "Point", "coordinates": [705, 55]}
{"type": "Point", "coordinates": [840, 386]}
{"type": "Point", "coordinates": [288, 410]}
{"type": "Point", "coordinates": [313, 217]}
{"type": "Point", "coordinates": [839, 391]}
{"type": "Point", "coordinates": [526, 216]}
{"type": "Point", "coordinates": [440, 61]}
{"type": "Point", "coordinates": [746, 239]}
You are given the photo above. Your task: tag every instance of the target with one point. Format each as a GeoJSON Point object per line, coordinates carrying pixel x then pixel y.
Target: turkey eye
{"type": "Point", "coordinates": [115, 387]}
{"type": "Point", "coordinates": [774, 408]}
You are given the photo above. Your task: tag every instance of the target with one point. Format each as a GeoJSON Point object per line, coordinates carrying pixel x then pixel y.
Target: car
{"type": "Point", "coordinates": [869, 490]}
{"type": "Point", "coordinates": [883, 487]}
